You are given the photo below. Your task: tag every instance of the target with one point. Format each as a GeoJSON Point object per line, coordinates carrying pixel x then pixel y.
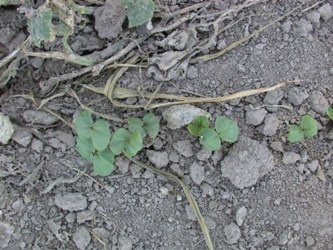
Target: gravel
{"type": "Point", "coordinates": [157, 158]}
{"type": "Point", "coordinates": [326, 11]}
{"type": "Point", "coordinates": [71, 201]}
{"type": "Point", "coordinates": [273, 97]}
{"type": "Point", "coordinates": [246, 162]}
{"type": "Point", "coordinates": [270, 126]}
{"type": "Point", "coordinates": [290, 158]}
{"type": "Point", "coordinates": [39, 117]}
{"type": "Point", "coordinates": [232, 233]}
{"type": "Point", "coordinates": [184, 148]}
{"type": "Point", "coordinates": [297, 96]}
{"type": "Point", "coordinates": [22, 137]}
{"type": "Point", "coordinates": [241, 215]}
{"type": "Point", "coordinates": [303, 27]}
{"type": "Point", "coordinates": [318, 102]}
{"type": "Point", "coordinates": [6, 231]}
{"type": "Point", "coordinates": [125, 243]}
{"type": "Point", "coordinates": [197, 173]}
{"type": "Point", "coordinates": [81, 238]}
{"type": "Point", "coordinates": [255, 117]}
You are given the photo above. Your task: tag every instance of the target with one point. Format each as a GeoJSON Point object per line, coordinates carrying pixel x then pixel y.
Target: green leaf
{"type": "Point", "coordinates": [100, 134]}
{"type": "Point", "coordinates": [210, 139]}
{"type": "Point", "coordinates": [139, 11]}
{"type": "Point", "coordinates": [39, 26]}
{"type": "Point", "coordinates": [85, 148]}
{"type": "Point", "coordinates": [295, 134]}
{"type": "Point", "coordinates": [309, 126]}
{"type": "Point", "coordinates": [83, 124]}
{"type": "Point", "coordinates": [136, 124]}
{"type": "Point", "coordinates": [119, 140]}
{"type": "Point", "coordinates": [133, 144]}
{"type": "Point", "coordinates": [103, 163]}
{"type": "Point", "coordinates": [199, 123]}
{"type": "Point", "coordinates": [151, 125]}
{"type": "Point", "coordinates": [227, 129]}
{"type": "Point", "coordinates": [329, 112]}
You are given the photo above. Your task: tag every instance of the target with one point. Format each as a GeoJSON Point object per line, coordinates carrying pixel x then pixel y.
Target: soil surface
{"type": "Point", "coordinates": [258, 193]}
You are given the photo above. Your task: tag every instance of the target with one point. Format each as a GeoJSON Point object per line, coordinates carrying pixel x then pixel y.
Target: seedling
{"type": "Point", "coordinates": [211, 138]}
{"type": "Point", "coordinates": [139, 11]}
{"type": "Point", "coordinates": [95, 143]}
{"type": "Point", "coordinates": [329, 112]}
{"type": "Point", "coordinates": [307, 129]}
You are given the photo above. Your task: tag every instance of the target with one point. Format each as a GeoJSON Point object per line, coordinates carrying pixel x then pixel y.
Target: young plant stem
{"type": "Point", "coordinates": [189, 196]}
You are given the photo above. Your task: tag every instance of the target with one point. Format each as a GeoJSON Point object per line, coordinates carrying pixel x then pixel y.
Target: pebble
{"type": "Point", "coordinates": [37, 62]}
{"type": "Point", "coordinates": [318, 102]}
{"type": "Point", "coordinates": [256, 116]}
{"type": "Point", "coordinates": [176, 169]}
{"type": "Point", "coordinates": [6, 232]}
{"type": "Point", "coordinates": [22, 137]}
{"type": "Point", "coordinates": [309, 241]}
{"type": "Point", "coordinates": [297, 96]}
{"type": "Point", "coordinates": [277, 146]}
{"type": "Point", "coordinates": [84, 216]}
{"type": "Point", "coordinates": [157, 158]}
{"type": "Point", "coordinates": [271, 125]}
{"type": "Point", "coordinates": [326, 11]}
{"type": "Point", "coordinates": [39, 117]}
{"type": "Point", "coordinates": [6, 129]}
{"type": "Point", "coordinates": [313, 165]}
{"type": "Point", "coordinates": [197, 173]}
{"type": "Point", "coordinates": [303, 27]}
{"type": "Point", "coordinates": [190, 214]}
{"type": "Point", "coordinates": [81, 238]}
{"type": "Point", "coordinates": [247, 161]}
{"type": "Point", "coordinates": [290, 158]}
{"type": "Point", "coordinates": [181, 115]}
{"type": "Point", "coordinates": [184, 148]}
{"type": "Point", "coordinates": [273, 97]}
{"type": "Point", "coordinates": [37, 145]}
{"type": "Point", "coordinates": [71, 201]}
{"type": "Point", "coordinates": [314, 17]}
{"type": "Point", "coordinates": [283, 238]}
{"type": "Point", "coordinates": [207, 190]}
{"type": "Point", "coordinates": [204, 154]}
{"type": "Point", "coordinates": [241, 214]}
{"type": "Point", "coordinates": [192, 72]}
{"type": "Point", "coordinates": [232, 232]}
{"type": "Point", "coordinates": [125, 243]}
{"type": "Point", "coordinates": [123, 164]}
{"type": "Point", "coordinates": [164, 191]}
{"type": "Point", "coordinates": [286, 26]}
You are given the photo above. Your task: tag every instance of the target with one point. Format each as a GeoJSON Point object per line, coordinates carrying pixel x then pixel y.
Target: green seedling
{"type": "Point", "coordinates": [139, 11]}
{"type": "Point", "coordinates": [307, 129]}
{"type": "Point", "coordinates": [95, 143]}
{"type": "Point", "coordinates": [329, 112]}
{"type": "Point", "coordinates": [211, 138]}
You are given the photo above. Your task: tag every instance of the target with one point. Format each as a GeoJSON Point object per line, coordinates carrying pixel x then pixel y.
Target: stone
{"type": "Point", "coordinates": [184, 148]}
{"type": "Point", "coordinates": [313, 165]}
{"type": "Point", "coordinates": [84, 216]}
{"type": "Point", "coordinates": [283, 238]}
{"type": "Point", "coordinates": [192, 72]}
{"type": "Point", "coordinates": [37, 145]}
{"type": "Point", "coordinates": [318, 102]}
{"type": "Point", "coordinates": [190, 214]}
{"type": "Point", "coordinates": [71, 201]}
{"type": "Point", "coordinates": [255, 116]}
{"type": "Point", "coordinates": [123, 164]}
{"type": "Point", "coordinates": [314, 17]}
{"type": "Point", "coordinates": [181, 115]}
{"type": "Point", "coordinates": [273, 97]}
{"type": "Point", "coordinates": [157, 158]}
{"type": "Point", "coordinates": [303, 27]}
{"type": "Point", "coordinates": [297, 96]}
{"type": "Point", "coordinates": [22, 137]}
{"type": "Point", "coordinates": [290, 158]}
{"type": "Point", "coordinates": [109, 19]}
{"type": "Point", "coordinates": [39, 117]}
{"type": "Point", "coordinates": [241, 214]}
{"type": "Point", "coordinates": [6, 231]}
{"type": "Point", "coordinates": [6, 129]}
{"type": "Point", "coordinates": [125, 243]}
{"type": "Point", "coordinates": [207, 190]}
{"type": "Point", "coordinates": [197, 173]}
{"type": "Point", "coordinates": [176, 169]}
{"type": "Point", "coordinates": [309, 241]}
{"type": "Point", "coordinates": [81, 238]}
{"type": "Point", "coordinates": [271, 125]}
{"type": "Point", "coordinates": [204, 154]}
{"type": "Point", "coordinates": [246, 162]}
{"type": "Point", "coordinates": [277, 146]}
{"type": "Point", "coordinates": [326, 11]}
{"type": "Point", "coordinates": [232, 233]}
{"type": "Point", "coordinates": [286, 26]}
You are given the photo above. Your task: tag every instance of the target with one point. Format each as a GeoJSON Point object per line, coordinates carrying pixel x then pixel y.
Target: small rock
{"type": "Point", "coordinates": [297, 96]}
{"type": "Point", "coordinates": [125, 243]}
{"type": "Point", "coordinates": [204, 154]}
{"type": "Point", "coordinates": [164, 191]}
{"type": "Point", "coordinates": [66, 138]}
{"type": "Point", "coordinates": [232, 232]}
{"type": "Point", "coordinates": [246, 162]}
{"type": "Point", "coordinates": [303, 27]}
{"type": "Point", "coordinates": [278, 201]}
{"type": "Point", "coordinates": [256, 116]}
{"type": "Point", "coordinates": [81, 238]}
{"type": "Point", "coordinates": [84, 216]}
{"type": "Point", "coordinates": [123, 164]}
{"type": "Point", "coordinates": [190, 214]}
{"type": "Point", "coordinates": [148, 174]}
{"type": "Point", "coordinates": [241, 215]}
{"type": "Point", "coordinates": [283, 238]}
{"type": "Point", "coordinates": [6, 129]}
{"type": "Point", "coordinates": [157, 158]}
{"type": "Point", "coordinates": [207, 190]}
{"type": "Point", "coordinates": [37, 62]}
{"type": "Point", "coordinates": [326, 11]}
{"type": "Point", "coordinates": [314, 17]}
{"type": "Point", "coordinates": [277, 146]}
{"type": "Point", "coordinates": [267, 235]}
{"type": "Point", "coordinates": [39, 117]}
{"type": "Point", "coordinates": [273, 248]}
{"type": "Point", "coordinates": [273, 97]}
{"type": "Point", "coordinates": [290, 158]}
{"type": "Point", "coordinates": [309, 241]}
{"type": "Point", "coordinates": [6, 231]}
{"type": "Point", "coordinates": [22, 137]}
{"type": "Point", "coordinates": [181, 115]}
{"type": "Point", "coordinates": [271, 125]}
{"type": "Point", "coordinates": [313, 165]}
{"type": "Point", "coordinates": [71, 201]}
{"type": "Point", "coordinates": [286, 26]}
{"type": "Point", "coordinates": [197, 173]}
{"type": "Point", "coordinates": [210, 223]}
{"type": "Point", "coordinates": [318, 102]}
{"type": "Point", "coordinates": [192, 72]}
{"type": "Point", "coordinates": [176, 169]}
{"type": "Point", "coordinates": [37, 145]}
{"type": "Point", "coordinates": [184, 148]}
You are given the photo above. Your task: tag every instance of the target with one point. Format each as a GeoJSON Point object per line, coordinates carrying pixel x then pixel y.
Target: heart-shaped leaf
{"type": "Point", "coordinates": [151, 125]}
{"type": "Point", "coordinates": [227, 129]}
{"type": "Point", "coordinates": [83, 124]}
{"type": "Point", "coordinates": [139, 11]}
{"type": "Point", "coordinates": [329, 112]}
{"type": "Point", "coordinates": [103, 163]}
{"type": "Point", "coordinates": [199, 123]}
{"type": "Point", "coordinates": [40, 26]}
{"type": "Point", "coordinates": [123, 141]}
{"type": "Point", "coordinates": [85, 148]}
{"type": "Point", "coordinates": [100, 134]}
{"type": "Point", "coordinates": [136, 124]}
{"type": "Point", "coordinates": [134, 144]}
{"type": "Point", "coordinates": [295, 134]}
{"type": "Point", "coordinates": [309, 126]}
{"type": "Point", "coordinates": [210, 139]}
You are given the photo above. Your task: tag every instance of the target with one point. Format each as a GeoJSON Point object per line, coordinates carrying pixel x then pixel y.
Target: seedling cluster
{"type": "Point", "coordinates": [96, 144]}
{"type": "Point", "coordinates": [211, 138]}
{"type": "Point", "coordinates": [306, 129]}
